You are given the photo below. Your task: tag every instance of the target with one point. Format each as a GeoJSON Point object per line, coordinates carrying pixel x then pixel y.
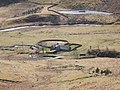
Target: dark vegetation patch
{"type": "Point", "coordinates": [42, 19]}
{"type": "Point", "coordinates": [104, 53]}
{"type": "Point", "coordinates": [7, 2]}
{"type": "Point", "coordinates": [99, 72]}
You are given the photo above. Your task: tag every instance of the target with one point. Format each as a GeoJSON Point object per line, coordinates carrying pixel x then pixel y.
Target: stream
{"type": "Point", "coordinates": [30, 26]}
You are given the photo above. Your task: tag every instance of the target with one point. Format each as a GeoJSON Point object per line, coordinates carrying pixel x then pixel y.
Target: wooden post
{"type": "Point", "coordinates": [90, 47]}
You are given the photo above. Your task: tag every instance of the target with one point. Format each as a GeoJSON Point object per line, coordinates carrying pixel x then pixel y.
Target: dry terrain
{"type": "Point", "coordinates": [15, 7]}
{"type": "Point", "coordinates": [58, 74]}
{"type": "Point", "coordinates": [20, 72]}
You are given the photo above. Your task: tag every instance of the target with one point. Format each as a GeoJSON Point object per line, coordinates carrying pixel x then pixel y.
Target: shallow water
{"type": "Point", "coordinates": [82, 12]}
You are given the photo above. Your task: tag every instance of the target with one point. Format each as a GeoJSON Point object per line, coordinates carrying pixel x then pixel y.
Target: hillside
{"type": "Point", "coordinates": [7, 2]}
{"type": "Point", "coordinates": [18, 7]}
{"type": "Point", "coordinates": [99, 5]}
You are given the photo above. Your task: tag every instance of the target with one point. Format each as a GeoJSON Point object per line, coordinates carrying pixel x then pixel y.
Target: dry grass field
{"type": "Point", "coordinates": [101, 35]}
{"type": "Point", "coordinates": [20, 72]}
{"type": "Point", "coordinates": [58, 74]}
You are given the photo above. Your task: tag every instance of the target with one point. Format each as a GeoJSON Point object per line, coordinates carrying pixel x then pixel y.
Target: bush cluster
{"type": "Point", "coordinates": [104, 53]}
{"type": "Point", "coordinates": [101, 72]}
{"type": "Point", "coordinates": [35, 10]}
{"type": "Point", "coordinates": [31, 11]}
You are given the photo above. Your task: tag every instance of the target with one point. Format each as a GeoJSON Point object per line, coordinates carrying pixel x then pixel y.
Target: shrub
{"type": "Point", "coordinates": [107, 72]}
{"type": "Point", "coordinates": [97, 70]}
{"type": "Point", "coordinates": [102, 72]}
